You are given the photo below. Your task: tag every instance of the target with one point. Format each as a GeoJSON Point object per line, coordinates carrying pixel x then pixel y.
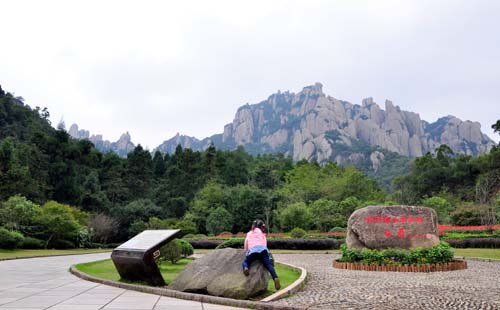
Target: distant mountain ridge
{"type": "Point", "coordinates": [121, 147]}
{"type": "Point", "coordinates": [310, 125]}
{"type": "Point", "coordinates": [314, 126]}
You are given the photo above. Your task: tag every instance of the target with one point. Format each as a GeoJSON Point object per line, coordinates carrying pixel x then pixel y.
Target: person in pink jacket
{"type": "Point", "coordinates": [256, 249]}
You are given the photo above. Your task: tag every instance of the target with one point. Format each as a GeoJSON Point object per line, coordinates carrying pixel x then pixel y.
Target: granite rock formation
{"type": "Point", "coordinates": [219, 273]}
{"type": "Point", "coordinates": [382, 227]}
{"type": "Point", "coordinates": [314, 126]}
{"type": "Point", "coordinates": [121, 147]}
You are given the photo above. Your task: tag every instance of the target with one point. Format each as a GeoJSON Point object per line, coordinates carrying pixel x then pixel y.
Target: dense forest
{"type": "Point", "coordinates": [60, 192]}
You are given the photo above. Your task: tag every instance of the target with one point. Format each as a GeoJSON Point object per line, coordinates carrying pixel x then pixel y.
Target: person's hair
{"type": "Point", "coordinates": [259, 224]}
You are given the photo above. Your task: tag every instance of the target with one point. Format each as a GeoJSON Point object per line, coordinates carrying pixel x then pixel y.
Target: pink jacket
{"type": "Point", "coordinates": [255, 237]}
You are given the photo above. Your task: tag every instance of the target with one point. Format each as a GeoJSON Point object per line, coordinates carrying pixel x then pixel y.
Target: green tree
{"type": "Point", "coordinates": [295, 215]}
{"type": "Point", "coordinates": [59, 223]}
{"type": "Point", "coordinates": [18, 213]}
{"type": "Point", "coordinates": [440, 205]}
{"type": "Point", "coordinates": [219, 220]}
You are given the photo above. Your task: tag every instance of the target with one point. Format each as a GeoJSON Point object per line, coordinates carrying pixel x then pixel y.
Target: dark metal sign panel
{"type": "Point", "coordinates": [135, 259]}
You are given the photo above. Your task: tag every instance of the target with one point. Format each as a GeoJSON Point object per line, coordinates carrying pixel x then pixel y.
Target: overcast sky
{"type": "Point", "coordinates": [155, 68]}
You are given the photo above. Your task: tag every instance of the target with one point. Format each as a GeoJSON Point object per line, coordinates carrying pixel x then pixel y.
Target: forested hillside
{"type": "Point", "coordinates": [49, 180]}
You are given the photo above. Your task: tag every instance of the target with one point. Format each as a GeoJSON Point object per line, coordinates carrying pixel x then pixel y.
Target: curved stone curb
{"type": "Point", "coordinates": [183, 295]}
{"type": "Point", "coordinates": [45, 256]}
{"type": "Point", "coordinates": [292, 288]}
{"type": "Point", "coordinates": [454, 265]}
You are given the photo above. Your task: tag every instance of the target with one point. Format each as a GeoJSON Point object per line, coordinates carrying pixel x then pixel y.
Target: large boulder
{"type": "Point", "coordinates": [381, 227]}
{"type": "Point", "coordinates": [219, 273]}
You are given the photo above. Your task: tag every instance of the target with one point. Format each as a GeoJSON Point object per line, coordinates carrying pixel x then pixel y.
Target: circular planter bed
{"type": "Point", "coordinates": [454, 265]}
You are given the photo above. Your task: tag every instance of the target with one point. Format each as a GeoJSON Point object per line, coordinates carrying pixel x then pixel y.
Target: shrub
{"type": "Point", "coordinates": [32, 243]}
{"type": "Point", "coordinates": [189, 236]}
{"type": "Point", "coordinates": [172, 252]}
{"type": "Point", "coordinates": [205, 244]}
{"type": "Point", "coordinates": [297, 233]}
{"type": "Point", "coordinates": [10, 239]}
{"type": "Point", "coordinates": [338, 229]}
{"type": "Point", "coordinates": [441, 253]}
{"type": "Point", "coordinates": [186, 247]}
{"type": "Point", "coordinates": [466, 215]}
{"type": "Point", "coordinates": [304, 244]}
{"type": "Point", "coordinates": [235, 243]}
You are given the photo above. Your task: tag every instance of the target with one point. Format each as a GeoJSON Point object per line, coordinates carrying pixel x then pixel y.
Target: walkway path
{"type": "Point", "coordinates": [477, 287]}
{"type": "Point", "coordinates": [45, 283]}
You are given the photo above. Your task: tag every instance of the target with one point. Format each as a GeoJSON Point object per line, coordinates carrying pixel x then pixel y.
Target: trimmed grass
{"type": "Point", "coordinates": [286, 275]}
{"type": "Point", "coordinates": [27, 253]}
{"type": "Point", "coordinates": [478, 253]}
{"type": "Point", "coordinates": [105, 269]}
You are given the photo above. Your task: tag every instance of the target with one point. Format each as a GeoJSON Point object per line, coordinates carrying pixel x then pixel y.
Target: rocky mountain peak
{"type": "Point", "coordinates": [121, 147]}
{"type": "Point", "coordinates": [310, 125]}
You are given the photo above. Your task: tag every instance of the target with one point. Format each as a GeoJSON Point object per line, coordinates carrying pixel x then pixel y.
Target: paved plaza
{"type": "Point", "coordinates": [477, 287]}
{"type": "Point", "coordinates": [45, 283]}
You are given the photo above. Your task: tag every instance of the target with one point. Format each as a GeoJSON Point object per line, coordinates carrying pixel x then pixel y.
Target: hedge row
{"type": "Point", "coordinates": [285, 244]}
{"type": "Point", "coordinates": [330, 244]}
{"type": "Point", "coordinates": [475, 243]}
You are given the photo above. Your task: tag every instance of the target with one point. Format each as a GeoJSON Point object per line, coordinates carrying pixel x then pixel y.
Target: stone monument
{"type": "Point", "coordinates": [382, 227]}
{"type": "Point", "coordinates": [135, 259]}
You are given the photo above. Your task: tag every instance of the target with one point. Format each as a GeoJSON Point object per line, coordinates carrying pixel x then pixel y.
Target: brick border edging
{"type": "Point", "coordinates": [183, 295]}
{"type": "Point", "coordinates": [454, 265]}
{"type": "Point", "coordinates": [45, 256]}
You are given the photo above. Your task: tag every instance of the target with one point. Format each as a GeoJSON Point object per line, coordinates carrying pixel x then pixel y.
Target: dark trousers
{"type": "Point", "coordinates": [263, 257]}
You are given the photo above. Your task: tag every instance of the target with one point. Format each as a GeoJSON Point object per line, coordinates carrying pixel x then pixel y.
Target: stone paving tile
{"type": "Point", "coordinates": [34, 301]}
{"type": "Point", "coordinates": [329, 288]}
{"type": "Point", "coordinates": [134, 301]}
{"type": "Point", "coordinates": [218, 307]}
{"type": "Point", "coordinates": [173, 303]}
{"type": "Point", "coordinates": [75, 307]}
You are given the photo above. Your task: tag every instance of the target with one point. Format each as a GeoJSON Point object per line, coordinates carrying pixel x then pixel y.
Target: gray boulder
{"type": "Point", "coordinates": [219, 273]}
{"type": "Point", "coordinates": [381, 227]}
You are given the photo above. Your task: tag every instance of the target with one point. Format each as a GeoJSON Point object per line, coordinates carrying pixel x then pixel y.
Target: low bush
{"type": "Point", "coordinates": [297, 233]}
{"type": "Point", "coordinates": [171, 252]}
{"type": "Point", "coordinates": [441, 253]}
{"type": "Point", "coordinates": [188, 236]}
{"type": "Point", "coordinates": [33, 243]}
{"type": "Point", "coordinates": [10, 240]}
{"type": "Point", "coordinates": [338, 229]}
{"type": "Point", "coordinates": [205, 244]}
{"type": "Point", "coordinates": [235, 243]}
{"type": "Point", "coordinates": [277, 244]}
{"type": "Point", "coordinates": [304, 244]}
{"type": "Point", "coordinates": [460, 235]}
{"type": "Point", "coordinates": [492, 242]}
{"type": "Point", "coordinates": [186, 247]}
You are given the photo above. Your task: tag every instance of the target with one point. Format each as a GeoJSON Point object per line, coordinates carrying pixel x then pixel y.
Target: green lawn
{"type": "Point", "coordinates": [478, 253]}
{"type": "Point", "coordinates": [27, 253]}
{"type": "Point", "coordinates": [105, 269]}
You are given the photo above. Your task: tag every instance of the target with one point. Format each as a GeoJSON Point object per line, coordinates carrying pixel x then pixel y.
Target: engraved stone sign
{"type": "Point", "coordinates": [381, 227]}
{"type": "Point", "coordinates": [135, 259]}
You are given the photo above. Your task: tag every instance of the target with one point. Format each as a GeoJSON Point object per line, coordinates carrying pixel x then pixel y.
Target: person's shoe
{"type": "Point", "coordinates": [246, 271]}
{"type": "Point", "coordinates": [277, 284]}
